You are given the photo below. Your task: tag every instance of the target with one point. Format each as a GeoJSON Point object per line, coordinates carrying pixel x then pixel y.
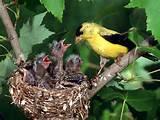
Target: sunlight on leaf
{"type": "Point", "coordinates": [133, 76]}
{"type": "Point", "coordinates": [33, 33]}
{"type": "Point", "coordinates": [56, 7]}
{"type": "Point", "coordinates": [152, 11]}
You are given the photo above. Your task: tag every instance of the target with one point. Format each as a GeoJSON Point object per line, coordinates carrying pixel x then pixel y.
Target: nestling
{"type": "Point", "coordinates": [41, 64]}
{"type": "Point", "coordinates": [73, 64]}
{"type": "Point", "coordinates": [57, 51]}
{"type": "Point", "coordinates": [72, 68]}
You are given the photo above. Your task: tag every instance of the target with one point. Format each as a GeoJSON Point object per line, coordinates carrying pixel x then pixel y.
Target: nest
{"type": "Point", "coordinates": [68, 102]}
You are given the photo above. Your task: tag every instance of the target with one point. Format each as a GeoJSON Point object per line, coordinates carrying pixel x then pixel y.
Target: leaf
{"type": "Point", "coordinates": [7, 66]}
{"type": "Point", "coordinates": [135, 37]}
{"type": "Point", "coordinates": [33, 33]}
{"type": "Point", "coordinates": [56, 7]}
{"type": "Point", "coordinates": [141, 100]}
{"type": "Point", "coordinates": [152, 11]}
{"type": "Point", "coordinates": [84, 53]}
{"type": "Point", "coordinates": [105, 115]}
{"type": "Point", "coordinates": [138, 19]}
{"type": "Point", "coordinates": [110, 94]}
{"type": "Point", "coordinates": [155, 51]}
{"type": "Point", "coordinates": [133, 76]}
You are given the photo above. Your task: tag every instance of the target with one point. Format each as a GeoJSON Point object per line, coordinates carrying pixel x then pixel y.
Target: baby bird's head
{"type": "Point", "coordinates": [41, 64]}
{"type": "Point", "coordinates": [85, 30]}
{"type": "Point", "coordinates": [73, 63]}
{"type": "Point", "coordinates": [59, 48]}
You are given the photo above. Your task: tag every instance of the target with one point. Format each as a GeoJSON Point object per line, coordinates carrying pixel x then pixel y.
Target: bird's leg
{"type": "Point", "coordinates": [118, 59]}
{"type": "Point", "coordinates": [103, 62]}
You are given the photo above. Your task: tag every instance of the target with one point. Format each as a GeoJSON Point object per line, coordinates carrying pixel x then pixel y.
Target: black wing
{"type": "Point", "coordinates": [121, 39]}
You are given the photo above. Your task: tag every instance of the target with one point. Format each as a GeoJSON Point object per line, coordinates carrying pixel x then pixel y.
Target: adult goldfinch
{"type": "Point", "coordinates": [105, 42]}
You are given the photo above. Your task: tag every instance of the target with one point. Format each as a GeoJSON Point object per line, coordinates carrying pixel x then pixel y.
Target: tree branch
{"type": "Point", "coordinates": [12, 35]}
{"type": "Point", "coordinates": [115, 68]}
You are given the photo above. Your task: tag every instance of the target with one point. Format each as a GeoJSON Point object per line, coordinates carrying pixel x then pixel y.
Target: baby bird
{"type": "Point", "coordinates": [73, 64]}
{"type": "Point", "coordinates": [40, 67]}
{"type": "Point", "coordinates": [57, 51]}
{"type": "Point", "coordinates": [28, 77]}
{"type": "Point", "coordinates": [72, 68]}
{"type": "Point", "coordinates": [35, 71]}
{"type": "Point", "coordinates": [107, 43]}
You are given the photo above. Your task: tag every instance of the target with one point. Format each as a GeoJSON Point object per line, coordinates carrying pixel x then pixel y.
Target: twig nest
{"type": "Point", "coordinates": [69, 101]}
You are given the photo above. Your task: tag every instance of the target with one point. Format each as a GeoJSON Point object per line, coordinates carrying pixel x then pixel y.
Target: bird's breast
{"type": "Point", "coordinates": [107, 49]}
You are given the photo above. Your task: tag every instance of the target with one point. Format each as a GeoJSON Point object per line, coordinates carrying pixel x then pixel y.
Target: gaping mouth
{"type": "Point", "coordinates": [64, 44]}
{"type": "Point", "coordinates": [67, 45]}
{"type": "Point", "coordinates": [46, 60]}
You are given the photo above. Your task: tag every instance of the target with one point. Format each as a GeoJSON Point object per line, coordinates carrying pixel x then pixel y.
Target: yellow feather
{"type": "Point", "coordinates": [105, 48]}
{"type": "Point", "coordinates": [92, 33]}
{"type": "Point", "coordinates": [95, 28]}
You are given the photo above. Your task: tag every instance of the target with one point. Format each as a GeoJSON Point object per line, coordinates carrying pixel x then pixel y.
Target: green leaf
{"type": "Point", "coordinates": [110, 94]}
{"type": "Point", "coordinates": [135, 37]}
{"type": "Point", "coordinates": [138, 19]}
{"type": "Point", "coordinates": [33, 33]}
{"type": "Point", "coordinates": [84, 53]}
{"type": "Point", "coordinates": [152, 12]}
{"type": "Point", "coordinates": [141, 100]}
{"type": "Point", "coordinates": [105, 115]}
{"type": "Point", "coordinates": [155, 51]}
{"type": "Point", "coordinates": [133, 76]}
{"type": "Point", "coordinates": [7, 66]}
{"type": "Point", "coordinates": [56, 7]}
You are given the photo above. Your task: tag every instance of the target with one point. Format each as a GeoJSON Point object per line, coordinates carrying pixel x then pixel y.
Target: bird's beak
{"type": "Point", "coordinates": [47, 60]}
{"type": "Point", "coordinates": [65, 45]}
{"type": "Point", "coordinates": [78, 39]}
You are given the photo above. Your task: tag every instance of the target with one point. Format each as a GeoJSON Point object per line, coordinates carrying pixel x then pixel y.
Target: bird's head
{"type": "Point", "coordinates": [42, 60]}
{"type": "Point", "coordinates": [84, 31]}
{"type": "Point", "coordinates": [59, 48]}
{"type": "Point", "coordinates": [73, 63]}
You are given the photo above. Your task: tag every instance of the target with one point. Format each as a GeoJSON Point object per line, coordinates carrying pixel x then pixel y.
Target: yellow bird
{"type": "Point", "coordinates": [105, 42]}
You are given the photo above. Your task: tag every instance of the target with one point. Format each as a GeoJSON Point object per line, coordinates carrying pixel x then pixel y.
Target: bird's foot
{"type": "Point", "coordinates": [103, 62]}
{"type": "Point", "coordinates": [118, 59]}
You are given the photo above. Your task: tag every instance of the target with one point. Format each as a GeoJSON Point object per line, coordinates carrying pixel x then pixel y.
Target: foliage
{"type": "Point", "coordinates": [56, 7]}
{"type": "Point", "coordinates": [132, 95]}
{"type": "Point", "coordinates": [151, 13]}
{"type": "Point", "coordinates": [33, 33]}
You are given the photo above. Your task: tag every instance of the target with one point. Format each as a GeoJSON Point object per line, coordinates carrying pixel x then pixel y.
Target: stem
{"type": "Point", "coordinates": [122, 111]}
{"type": "Point", "coordinates": [12, 35]}
{"type": "Point", "coordinates": [5, 49]}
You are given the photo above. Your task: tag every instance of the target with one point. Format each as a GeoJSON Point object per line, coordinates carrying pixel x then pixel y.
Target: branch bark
{"type": "Point", "coordinates": [12, 35]}
{"type": "Point", "coordinates": [115, 68]}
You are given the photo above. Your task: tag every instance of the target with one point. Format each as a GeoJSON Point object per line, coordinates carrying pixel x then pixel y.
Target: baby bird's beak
{"type": "Point", "coordinates": [65, 46]}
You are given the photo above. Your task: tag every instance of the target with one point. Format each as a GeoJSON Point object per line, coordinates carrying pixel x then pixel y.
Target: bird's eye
{"type": "Point", "coordinates": [38, 61]}
{"type": "Point", "coordinates": [78, 60]}
{"type": "Point", "coordinates": [58, 46]}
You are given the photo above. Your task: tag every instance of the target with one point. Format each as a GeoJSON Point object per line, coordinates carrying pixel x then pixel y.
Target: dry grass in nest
{"type": "Point", "coordinates": [65, 103]}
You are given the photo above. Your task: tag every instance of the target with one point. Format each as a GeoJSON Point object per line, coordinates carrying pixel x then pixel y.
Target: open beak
{"type": "Point", "coordinates": [65, 45]}
{"type": "Point", "coordinates": [78, 39]}
{"type": "Point", "coordinates": [46, 60]}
